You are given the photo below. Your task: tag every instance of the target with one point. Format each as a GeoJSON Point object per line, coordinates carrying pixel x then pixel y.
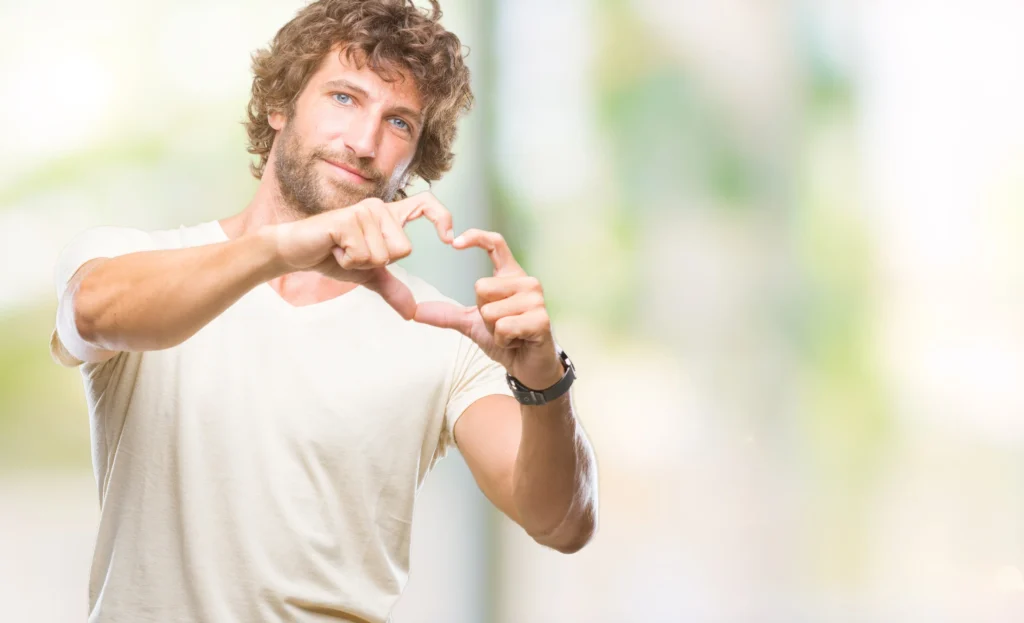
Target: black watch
{"type": "Point", "coordinates": [534, 397]}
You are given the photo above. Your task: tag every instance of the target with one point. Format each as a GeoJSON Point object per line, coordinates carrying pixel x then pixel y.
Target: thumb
{"type": "Point", "coordinates": [445, 315]}
{"type": "Point", "coordinates": [393, 291]}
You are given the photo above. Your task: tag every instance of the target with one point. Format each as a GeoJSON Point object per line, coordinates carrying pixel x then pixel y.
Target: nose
{"type": "Point", "coordinates": [361, 136]}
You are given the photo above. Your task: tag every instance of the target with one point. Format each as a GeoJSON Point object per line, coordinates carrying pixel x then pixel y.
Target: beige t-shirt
{"type": "Point", "coordinates": [265, 469]}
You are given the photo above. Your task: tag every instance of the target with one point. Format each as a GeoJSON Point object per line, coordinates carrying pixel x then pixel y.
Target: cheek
{"type": "Point", "coordinates": [328, 128]}
{"type": "Point", "coordinates": [396, 156]}
{"type": "Point", "coordinates": [320, 124]}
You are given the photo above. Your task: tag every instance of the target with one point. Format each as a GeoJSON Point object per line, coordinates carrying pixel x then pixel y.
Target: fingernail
{"type": "Point", "coordinates": [448, 234]}
{"type": "Point", "coordinates": [459, 240]}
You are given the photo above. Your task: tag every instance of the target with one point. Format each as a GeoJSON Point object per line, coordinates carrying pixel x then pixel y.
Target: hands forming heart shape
{"type": "Point", "coordinates": [509, 322]}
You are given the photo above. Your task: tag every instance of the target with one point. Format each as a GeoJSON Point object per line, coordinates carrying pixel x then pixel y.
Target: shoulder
{"type": "Point", "coordinates": [113, 241]}
{"type": "Point", "coordinates": [119, 240]}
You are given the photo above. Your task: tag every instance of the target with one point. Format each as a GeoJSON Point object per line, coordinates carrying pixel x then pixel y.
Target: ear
{"type": "Point", "coordinates": [277, 120]}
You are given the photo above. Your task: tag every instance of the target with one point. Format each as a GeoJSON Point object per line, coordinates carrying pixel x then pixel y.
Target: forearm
{"type": "Point", "coordinates": [157, 299]}
{"type": "Point", "coordinates": [555, 480]}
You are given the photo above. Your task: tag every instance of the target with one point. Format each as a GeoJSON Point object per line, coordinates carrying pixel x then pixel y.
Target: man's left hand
{"type": "Point", "coordinates": [509, 321]}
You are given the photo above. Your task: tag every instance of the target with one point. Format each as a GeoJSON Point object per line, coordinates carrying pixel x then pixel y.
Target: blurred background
{"type": "Point", "coordinates": [783, 241]}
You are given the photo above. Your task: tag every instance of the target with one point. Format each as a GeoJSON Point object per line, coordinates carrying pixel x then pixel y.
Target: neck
{"type": "Point", "coordinates": [267, 207]}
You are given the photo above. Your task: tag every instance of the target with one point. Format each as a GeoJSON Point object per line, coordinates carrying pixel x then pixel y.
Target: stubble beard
{"type": "Point", "coordinates": [307, 193]}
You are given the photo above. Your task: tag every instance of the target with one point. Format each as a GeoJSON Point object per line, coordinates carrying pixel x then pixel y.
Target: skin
{"type": "Point", "coordinates": [320, 224]}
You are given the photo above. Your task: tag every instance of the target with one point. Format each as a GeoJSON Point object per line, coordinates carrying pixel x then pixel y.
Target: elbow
{"type": "Point", "coordinates": [581, 536]}
{"type": "Point", "coordinates": [90, 311]}
{"type": "Point", "coordinates": [85, 326]}
{"type": "Point", "coordinates": [574, 535]}
{"type": "Point", "coordinates": [85, 317]}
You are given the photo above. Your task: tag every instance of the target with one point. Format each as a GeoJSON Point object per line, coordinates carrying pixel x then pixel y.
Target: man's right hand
{"type": "Point", "coordinates": [356, 243]}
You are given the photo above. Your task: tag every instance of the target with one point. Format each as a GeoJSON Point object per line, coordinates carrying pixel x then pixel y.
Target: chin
{"type": "Point", "coordinates": [339, 195]}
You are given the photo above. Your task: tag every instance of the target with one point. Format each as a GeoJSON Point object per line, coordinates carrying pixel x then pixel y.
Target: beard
{"type": "Point", "coordinates": [309, 193]}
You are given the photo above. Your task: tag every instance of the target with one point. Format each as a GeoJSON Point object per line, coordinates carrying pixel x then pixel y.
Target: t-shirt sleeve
{"type": "Point", "coordinates": [88, 245]}
{"type": "Point", "coordinates": [475, 375]}
{"type": "Point", "coordinates": [94, 243]}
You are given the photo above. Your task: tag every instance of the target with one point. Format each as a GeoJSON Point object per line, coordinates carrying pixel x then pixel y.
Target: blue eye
{"type": "Point", "coordinates": [338, 96]}
{"type": "Point", "coordinates": [400, 123]}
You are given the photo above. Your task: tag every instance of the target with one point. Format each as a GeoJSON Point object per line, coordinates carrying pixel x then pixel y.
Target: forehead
{"type": "Point", "coordinates": [399, 90]}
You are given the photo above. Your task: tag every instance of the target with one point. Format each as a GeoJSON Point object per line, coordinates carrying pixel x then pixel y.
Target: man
{"type": "Point", "coordinates": [268, 391]}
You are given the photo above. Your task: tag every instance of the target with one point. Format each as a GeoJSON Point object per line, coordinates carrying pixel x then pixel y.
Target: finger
{"type": "Point", "coordinates": [533, 326]}
{"type": "Point", "coordinates": [397, 242]}
{"type": "Point", "coordinates": [519, 303]}
{"type": "Point", "coordinates": [496, 288]}
{"type": "Point", "coordinates": [393, 291]}
{"type": "Point", "coordinates": [424, 204]}
{"type": "Point", "coordinates": [446, 316]}
{"type": "Point", "coordinates": [351, 251]}
{"type": "Point", "coordinates": [373, 237]}
{"type": "Point", "coordinates": [496, 247]}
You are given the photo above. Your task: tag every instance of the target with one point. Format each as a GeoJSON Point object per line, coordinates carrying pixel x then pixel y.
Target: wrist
{"type": "Point", "coordinates": [542, 375]}
{"type": "Point", "coordinates": [263, 249]}
{"type": "Point", "coordinates": [266, 242]}
{"type": "Point", "coordinates": [543, 392]}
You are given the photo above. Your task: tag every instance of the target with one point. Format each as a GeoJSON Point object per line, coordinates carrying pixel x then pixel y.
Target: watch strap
{"type": "Point", "coordinates": [533, 397]}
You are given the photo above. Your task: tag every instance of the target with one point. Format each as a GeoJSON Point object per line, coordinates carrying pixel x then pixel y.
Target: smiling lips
{"type": "Point", "coordinates": [353, 172]}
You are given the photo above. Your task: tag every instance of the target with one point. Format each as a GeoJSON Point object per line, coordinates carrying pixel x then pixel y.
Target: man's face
{"type": "Point", "coordinates": [353, 135]}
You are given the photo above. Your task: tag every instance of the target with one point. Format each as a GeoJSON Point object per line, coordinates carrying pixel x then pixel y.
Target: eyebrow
{"type": "Point", "coordinates": [349, 86]}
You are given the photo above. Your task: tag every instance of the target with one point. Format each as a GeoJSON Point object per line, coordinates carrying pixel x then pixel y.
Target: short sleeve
{"type": "Point", "coordinates": [475, 375]}
{"type": "Point", "coordinates": [88, 245]}
{"type": "Point", "coordinates": [94, 243]}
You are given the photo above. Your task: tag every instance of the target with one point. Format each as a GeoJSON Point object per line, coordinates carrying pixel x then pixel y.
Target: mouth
{"type": "Point", "coordinates": [348, 171]}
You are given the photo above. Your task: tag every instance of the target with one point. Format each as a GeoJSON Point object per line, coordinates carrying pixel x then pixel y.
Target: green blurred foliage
{"type": "Point", "coordinates": [43, 416]}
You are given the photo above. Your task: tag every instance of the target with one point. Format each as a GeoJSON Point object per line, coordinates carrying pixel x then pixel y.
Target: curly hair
{"type": "Point", "coordinates": [390, 36]}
